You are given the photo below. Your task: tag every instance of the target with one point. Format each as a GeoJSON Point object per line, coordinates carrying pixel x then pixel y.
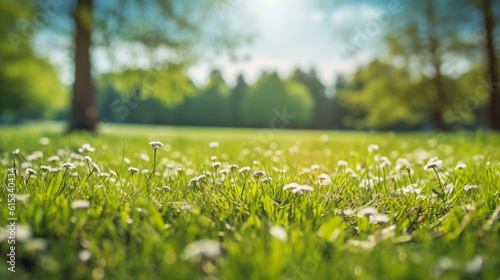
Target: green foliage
{"type": "Point", "coordinates": [269, 95]}
{"type": "Point", "coordinates": [28, 84]}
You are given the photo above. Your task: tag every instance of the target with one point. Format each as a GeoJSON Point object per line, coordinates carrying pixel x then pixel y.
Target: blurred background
{"type": "Point", "coordinates": [315, 64]}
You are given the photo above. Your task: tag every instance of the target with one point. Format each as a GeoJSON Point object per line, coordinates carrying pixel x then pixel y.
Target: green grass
{"type": "Point", "coordinates": [234, 227]}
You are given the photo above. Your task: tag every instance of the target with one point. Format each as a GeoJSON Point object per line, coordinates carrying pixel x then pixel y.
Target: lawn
{"type": "Point", "coordinates": [364, 205]}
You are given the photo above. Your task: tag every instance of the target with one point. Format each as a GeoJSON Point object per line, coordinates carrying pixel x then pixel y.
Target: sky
{"type": "Point", "coordinates": [290, 34]}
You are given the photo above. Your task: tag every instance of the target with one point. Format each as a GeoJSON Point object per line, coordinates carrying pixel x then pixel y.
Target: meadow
{"type": "Point", "coordinates": [250, 204]}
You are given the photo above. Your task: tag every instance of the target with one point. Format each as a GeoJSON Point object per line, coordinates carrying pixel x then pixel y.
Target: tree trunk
{"type": "Point", "coordinates": [494, 106]}
{"type": "Point", "coordinates": [83, 111]}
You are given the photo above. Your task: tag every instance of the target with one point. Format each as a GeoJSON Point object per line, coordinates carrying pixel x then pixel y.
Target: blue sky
{"type": "Point", "coordinates": [290, 34]}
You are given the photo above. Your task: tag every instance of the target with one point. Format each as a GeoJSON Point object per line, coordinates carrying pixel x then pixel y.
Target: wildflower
{"type": "Point", "coordinates": [301, 188]}
{"type": "Point", "coordinates": [127, 160]}
{"type": "Point", "coordinates": [68, 165]}
{"type": "Point", "coordinates": [201, 249]}
{"type": "Point", "coordinates": [214, 158]}
{"type": "Point", "coordinates": [15, 152]}
{"type": "Point", "coordinates": [84, 255]}
{"type": "Point", "coordinates": [30, 171]}
{"type": "Point", "coordinates": [379, 219]}
{"type": "Point", "coordinates": [86, 148]}
{"type": "Point", "coordinates": [373, 148]}
{"type": "Point", "coordinates": [470, 187]}
{"type": "Point", "coordinates": [244, 169]}
{"type": "Point", "coordinates": [460, 166]}
{"type": "Point", "coordinates": [216, 165]}
{"type": "Point", "coordinates": [367, 212]}
{"type": "Point", "coordinates": [155, 144]}
{"type": "Point", "coordinates": [133, 170]}
{"type": "Point", "coordinates": [258, 174]}
{"type": "Point", "coordinates": [342, 163]}
{"type": "Point", "coordinates": [103, 175]}
{"type": "Point", "coordinates": [478, 158]}
{"type": "Point", "coordinates": [324, 180]}
{"type": "Point", "coordinates": [279, 233]}
{"type": "Point", "coordinates": [224, 171]}
{"type": "Point", "coordinates": [54, 169]}
{"type": "Point", "coordinates": [95, 168]}
{"type": "Point", "coordinates": [315, 167]}
{"type": "Point", "coordinates": [22, 197]}
{"type": "Point", "coordinates": [145, 157]}
{"type": "Point", "coordinates": [53, 158]}
{"type": "Point", "coordinates": [433, 163]}
{"type": "Point", "coordinates": [290, 186]}
{"type": "Point", "coordinates": [402, 163]}
{"type": "Point", "coordinates": [80, 204]}
{"type": "Point", "coordinates": [44, 141]}
{"type": "Point", "coordinates": [88, 159]}
{"type": "Point", "coordinates": [346, 212]}
{"type": "Point", "coordinates": [180, 169]}
{"type": "Point", "coordinates": [266, 180]}
{"type": "Point", "coordinates": [113, 173]}
{"type": "Point", "coordinates": [213, 145]}
{"type": "Point", "coordinates": [255, 162]}
{"type": "Point", "coordinates": [324, 138]}
{"type": "Point", "coordinates": [233, 167]}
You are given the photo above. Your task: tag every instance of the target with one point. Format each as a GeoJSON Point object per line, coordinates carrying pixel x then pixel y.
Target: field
{"type": "Point", "coordinates": [365, 205]}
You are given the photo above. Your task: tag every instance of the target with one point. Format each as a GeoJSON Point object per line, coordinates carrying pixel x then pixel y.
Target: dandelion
{"type": "Point", "coordinates": [77, 204]}
{"type": "Point", "coordinates": [88, 159]}
{"type": "Point", "coordinates": [279, 233]}
{"type": "Point", "coordinates": [244, 170]}
{"type": "Point", "coordinates": [113, 173]}
{"type": "Point", "coordinates": [155, 144]}
{"type": "Point", "coordinates": [95, 168]}
{"type": "Point", "coordinates": [402, 163]}
{"type": "Point", "coordinates": [213, 145]}
{"type": "Point", "coordinates": [44, 141]}
{"type": "Point", "coordinates": [86, 148]}
{"type": "Point", "coordinates": [373, 148]}
{"type": "Point", "coordinates": [133, 170]}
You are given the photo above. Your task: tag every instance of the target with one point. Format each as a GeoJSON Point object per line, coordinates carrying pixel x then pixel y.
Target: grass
{"type": "Point", "coordinates": [232, 226]}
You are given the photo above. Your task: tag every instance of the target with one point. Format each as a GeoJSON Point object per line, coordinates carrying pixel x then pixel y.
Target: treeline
{"type": "Point", "coordinates": [299, 101]}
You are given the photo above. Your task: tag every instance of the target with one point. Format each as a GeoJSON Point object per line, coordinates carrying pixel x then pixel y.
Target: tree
{"type": "Point", "coordinates": [270, 98]}
{"type": "Point", "coordinates": [28, 83]}
{"type": "Point", "coordinates": [237, 96]}
{"type": "Point", "coordinates": [322, 104]}
{"type": "Point", "coordinates": [185, 30]}
{"type": "Point", "coordinates": [425, 39]}
{"type": "Point", "coordinates": [491, 60]}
